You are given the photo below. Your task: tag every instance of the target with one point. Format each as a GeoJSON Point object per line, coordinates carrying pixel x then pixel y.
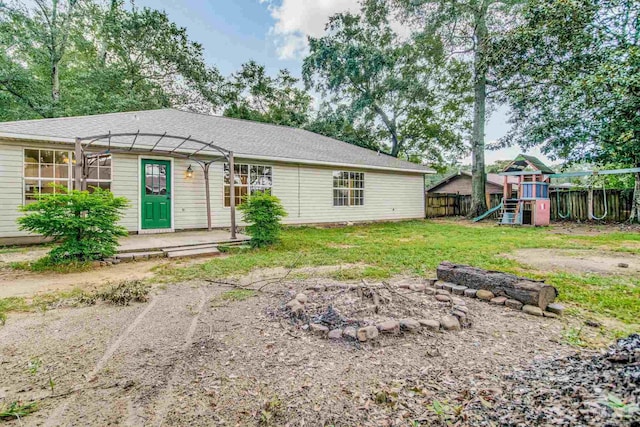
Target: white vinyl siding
{"type": "Point", "coordinates": [305, 191]}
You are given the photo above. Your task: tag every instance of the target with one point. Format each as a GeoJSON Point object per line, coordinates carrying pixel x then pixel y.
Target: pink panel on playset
{"type": "Point", "coordinates": [542, 215]}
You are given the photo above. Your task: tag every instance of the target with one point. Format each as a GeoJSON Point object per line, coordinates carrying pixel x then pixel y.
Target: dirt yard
{"type": "Point", "coordinates": [196, 354]}
{"type": "Point", "coordinates": [587, 261]}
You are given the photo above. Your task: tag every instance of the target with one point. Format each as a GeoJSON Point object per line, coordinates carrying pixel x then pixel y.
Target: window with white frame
{"type": "Point", "coordinates": [348, 188]}
{"type": "Point", "coordinates": [98, 169]}
{"type": "Point", "coordinates": [44, 169]}
{"type": "Point", "coordinates": [249, 179]}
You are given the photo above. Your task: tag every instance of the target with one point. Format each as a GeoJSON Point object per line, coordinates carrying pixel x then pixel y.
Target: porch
{"type": "Point", "coordinates": [175, 245]}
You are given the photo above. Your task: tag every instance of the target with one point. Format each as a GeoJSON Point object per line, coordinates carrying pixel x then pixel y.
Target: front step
{"type": "Point", "coordinates": [210, 251]}
{"type": "Point", "coordinates": [189, 247]}
{"type": "Point", "coordinates": [226, 242]}
{"type": "Point", "coordinates": [138, 256]}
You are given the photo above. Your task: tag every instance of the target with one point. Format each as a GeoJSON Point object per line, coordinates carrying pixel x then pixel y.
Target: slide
{"type": "Point", "coordinates": [487, 213]}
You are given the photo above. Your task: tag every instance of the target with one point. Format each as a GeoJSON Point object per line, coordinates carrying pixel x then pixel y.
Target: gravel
{"type": "Point", "coordinates": [601, 390]}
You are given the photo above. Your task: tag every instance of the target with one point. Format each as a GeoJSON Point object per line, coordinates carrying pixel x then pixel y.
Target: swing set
{"type": "Point", "coordinates": [530, 204]}
{"type": "Point", "coordinates": [592, 188]}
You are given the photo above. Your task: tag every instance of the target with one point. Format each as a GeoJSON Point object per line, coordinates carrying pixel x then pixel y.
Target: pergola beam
{"type": "Point", "coordinates": [79, 167]}
{"type": "Point", "coordinates": [131, 148]}
{"type": "Point", "coordinates": [232, 194]}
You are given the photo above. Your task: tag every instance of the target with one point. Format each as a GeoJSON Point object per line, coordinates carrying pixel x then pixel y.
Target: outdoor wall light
{"type": "Point", "coordinates": [189, 173]}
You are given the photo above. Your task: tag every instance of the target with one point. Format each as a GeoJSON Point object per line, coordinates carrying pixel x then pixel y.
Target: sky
{"type": "Point", "coordinates": [274, 33]}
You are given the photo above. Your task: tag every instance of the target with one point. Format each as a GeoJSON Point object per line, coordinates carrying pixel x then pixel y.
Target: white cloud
{"type": "Point", "coordinates": [295, 20]}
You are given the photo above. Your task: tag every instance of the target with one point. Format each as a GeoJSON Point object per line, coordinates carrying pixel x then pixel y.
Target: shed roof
{"type": "Point", "coordinates": [492, 178]}
{"type": "Point", "coordinates": [523, 161]}
{"type": "Point", "coordinates": [245, 138]}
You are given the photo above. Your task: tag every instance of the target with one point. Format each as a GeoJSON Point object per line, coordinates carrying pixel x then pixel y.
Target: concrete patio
{"type": "Point", "coordinates": [174, 245]}
{"type": "Point", "coordinates": [149, 242]}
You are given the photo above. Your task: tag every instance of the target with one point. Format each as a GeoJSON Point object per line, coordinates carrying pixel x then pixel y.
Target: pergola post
{"type": "Point", "coordinates": [79, 167]}
{"type": "Point", "coordinates": [207, 193]}
{"type": "Point", "coordinates": [232, 194]}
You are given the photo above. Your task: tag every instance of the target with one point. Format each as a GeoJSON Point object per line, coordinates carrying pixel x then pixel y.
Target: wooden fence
{"type": "Point", "coordinates": [440, 205]}
{"type": "Point", "coordinates": [575, 203]}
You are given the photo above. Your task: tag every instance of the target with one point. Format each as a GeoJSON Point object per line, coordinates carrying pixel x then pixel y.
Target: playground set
{"type": "Point", "coordinates": [528, 201]}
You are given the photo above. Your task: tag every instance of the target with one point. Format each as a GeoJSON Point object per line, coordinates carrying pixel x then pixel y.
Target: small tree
{"type": "Point", "coordinates": [263, 213]}
{"type": "Point", "coordinates": [83, 223]}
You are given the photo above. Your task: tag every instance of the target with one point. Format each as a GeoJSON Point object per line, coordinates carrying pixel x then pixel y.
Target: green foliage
{"type": "Point", "coordinates": [580, 64]}
{"type": "Point", "coordinates": [263, 213]}
{"type": "Point", "coordinates": [342, 123]}
{"type": "Point", "coordinates": [17, 410]}
{"type": "Point", "coordinates": [624, 409]}
{"type": "Point", "coordinates": [406, 90]}
{"type": "Point", "coordinates": [254, 95]}
{"type": "Point", "coordinates": [83, 223]}
{"type": "Point", "coordinates": [237, 295]}
{"type": "Point", "coordinates": [73, 57]}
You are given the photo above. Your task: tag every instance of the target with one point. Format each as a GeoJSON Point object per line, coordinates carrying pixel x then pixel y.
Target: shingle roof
{"type": "Point", "coordinates": [492, 178]}
{"type": "Point", "coordinates": [243, 137]}
{"type": "Point", "coordinates": [520, 163]}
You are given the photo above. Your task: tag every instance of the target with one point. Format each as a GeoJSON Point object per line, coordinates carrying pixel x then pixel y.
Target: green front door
{"type": "Point", "coordinates": [156, 194]}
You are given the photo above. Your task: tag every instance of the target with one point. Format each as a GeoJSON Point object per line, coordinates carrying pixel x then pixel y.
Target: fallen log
{"type": "Point", "coordinates": [525, 290]}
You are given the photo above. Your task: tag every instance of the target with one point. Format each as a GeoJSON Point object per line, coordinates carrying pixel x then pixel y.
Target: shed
{"type": "Point", "coordinates": [460, 183]}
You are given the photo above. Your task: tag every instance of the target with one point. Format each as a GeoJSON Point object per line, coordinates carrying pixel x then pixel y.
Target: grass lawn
{"type": "Point", "coordinates": [417, 247]}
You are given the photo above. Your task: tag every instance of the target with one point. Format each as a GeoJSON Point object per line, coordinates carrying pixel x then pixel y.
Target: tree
{"type": "Point", "coordinates": [253, 95]}
{"type": "Point", "coordinates": [84, 224]}
{"type": "Point", "coordinates": [74, 57]}
{"type": "Point", "coordinates": [339, 122]}
{"type": "Point", "coordinates": [404, 88]}
{"type": "Point", "coordinates": [497, 166]}
{"type": "Point", "coordinates": [467, 27]}
{"type": "Point", "coordinates": [263, 212]}
{"type": "Point", "coordinates": [573, 81]}
{"type": "Point", "coordinates": [38, 39]}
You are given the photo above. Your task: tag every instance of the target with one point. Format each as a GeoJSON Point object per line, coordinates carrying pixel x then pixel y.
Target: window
{"type": "Point", "coordinates": [348, 188]}
{"type": "Point", "coordinates": [99, 172]}
{"type": "Point", "coordinates": [45, 168]}
{"type": "Point", "coordinates": [249, 179]}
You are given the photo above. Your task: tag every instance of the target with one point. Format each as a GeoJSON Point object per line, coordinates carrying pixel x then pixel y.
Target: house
{"type": "Point", "coordinates": [174, 168]}
{"type": "Point", "coordinates": [460, 183]}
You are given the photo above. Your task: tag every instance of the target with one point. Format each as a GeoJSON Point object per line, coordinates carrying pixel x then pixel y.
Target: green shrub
{"type": "Point", "coordinates": [263, 213]}
{"type": "Point", "coordinates": [83, 224]}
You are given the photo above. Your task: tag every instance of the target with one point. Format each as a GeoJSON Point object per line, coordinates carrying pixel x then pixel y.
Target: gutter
{"type": "Point", "coordinates": [22, 136]}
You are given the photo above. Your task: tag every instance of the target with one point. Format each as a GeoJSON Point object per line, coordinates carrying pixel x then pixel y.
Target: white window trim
{"type": "Point", "coordinates": [103, 180]}
{"type": "Point", "coordinates": [248, 186]}
{"type": "Point", "coordinates": [25, 178]}
{"type": "Point", "coordinates": [364, 191]}
{"type": "Point", "coordinates": [71, 170]}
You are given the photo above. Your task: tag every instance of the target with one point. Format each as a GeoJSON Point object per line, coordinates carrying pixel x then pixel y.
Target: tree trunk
{"type": "Point", "coordinates": [478, 178]}
{"type": "Point", "coordinates": [635, 203]}
{"type": "Point", "coordinates": [395, 147]}
{"type": "Point", "coordinates": [55, 81]}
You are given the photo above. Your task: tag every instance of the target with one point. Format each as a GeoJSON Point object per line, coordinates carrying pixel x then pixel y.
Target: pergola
{"type": "Point", "coordinates": [202, 152]}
